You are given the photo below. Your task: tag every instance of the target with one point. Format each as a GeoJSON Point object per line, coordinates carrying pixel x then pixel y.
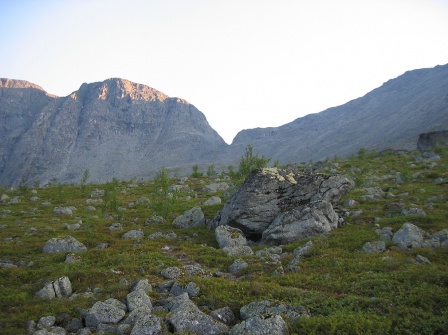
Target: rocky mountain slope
{"type": "Point", "coordinates": [114, 128]}
{"type": "Point", "coordinates": [119, 129]}
{"type": "Point", "coordinates": [391, 116]}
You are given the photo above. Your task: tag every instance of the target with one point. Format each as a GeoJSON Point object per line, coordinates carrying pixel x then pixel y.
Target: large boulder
{"type": "Point", "coordinates": [409, 236]}
{"type": "Point", "coordinates": [66, 244]}
{"type": "Point", "coordinates": [110, 311]}
{"type": "Point", "coordinates": [284, 205]}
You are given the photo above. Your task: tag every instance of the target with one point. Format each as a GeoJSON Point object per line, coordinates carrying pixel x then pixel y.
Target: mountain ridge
{"type": "Point", "coordinates": [120, 129]}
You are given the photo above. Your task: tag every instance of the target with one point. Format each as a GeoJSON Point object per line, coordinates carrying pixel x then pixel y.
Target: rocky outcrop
{"type": "Point", "coordinates": [429, 141]}
{"type": "Point", "coordinates": [115, 128]}
{"type": "Point", "coordinates": [284, 205]}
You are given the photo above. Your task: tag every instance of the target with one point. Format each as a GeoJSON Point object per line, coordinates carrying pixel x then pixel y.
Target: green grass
{"type": "Point", "coordinates": [346, 291]}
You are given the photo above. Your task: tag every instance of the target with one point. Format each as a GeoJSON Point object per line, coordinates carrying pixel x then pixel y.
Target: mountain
{"type": "Point", "coordinates": [391, 116]}
{"type": "Point", "coordinates": [120, 129]}
{"type": "Point", "coordinates": [115, 128]}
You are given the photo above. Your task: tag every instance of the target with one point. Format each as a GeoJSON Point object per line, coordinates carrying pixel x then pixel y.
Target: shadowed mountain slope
{"type": "Point", "coordinates": [391, 116]}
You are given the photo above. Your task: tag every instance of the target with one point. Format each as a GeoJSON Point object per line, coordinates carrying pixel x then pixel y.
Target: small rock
{"type": "Point", "coordinates": [66, 244]}
{"type": "Point", "coordinates": [115, 226]}
{"type": "Point", "coordinates": [137, 299]}
{"type": "Point", "coordinates": [376, 247]}
{"type": "Point", "coordinates": [192, 218]}
{"type": "Point", "coordinates": [422, 259]}
{"type": "Point", "coordinates": [212, 201]}
{"type": "Point", "coordinates": [171, 273]}
{"type": "Point", "coordinates": [46, 322]}
{"type": "Point", "coordinates": [237, 266]}
{"type": "Point", "coordinates": [133, 234]}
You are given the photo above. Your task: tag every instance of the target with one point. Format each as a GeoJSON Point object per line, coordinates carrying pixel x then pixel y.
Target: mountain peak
{"type": "Point", "coordinates": [118, 88]}
{"type": "Point", "coordinates": [15, 83]}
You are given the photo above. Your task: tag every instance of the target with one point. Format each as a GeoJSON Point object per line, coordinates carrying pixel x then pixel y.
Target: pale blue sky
{"type": "Point", "coordinates": [243, 63]}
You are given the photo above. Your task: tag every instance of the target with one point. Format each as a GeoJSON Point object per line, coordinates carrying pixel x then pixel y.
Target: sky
{"type": "Point", "coordinates": [243, 63]}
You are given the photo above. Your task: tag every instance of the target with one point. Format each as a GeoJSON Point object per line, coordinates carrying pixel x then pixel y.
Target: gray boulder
{"type": "Point", "coordinates": [278, 197]}
{"type": "Point", "coordinates": [224, 315]}
{"type": "Point", "coordinates": [110, 311]}
{"type": "Point", "coordinates": [227, 236]}
{"type": "Point", "coordinates": [148, 325]}
{"type": "Point", "coordinates": [60, 288]}
{"type": "Point", "coordinates": [215, 187]}
{"type": "Point", "coordinates": [133, 234]}
{"type": "Point", "coordinates": [238, 251]}
{"type": "Point", "coordinates": [141, 284]}
{"type": "Point", "coordinates": [409, 236]}
{"type": "Point", "coordinates": [66, 244]}
{"type": "Point", "coordinates": [375, 247]}
{"type": "Point", "coordinates": [137, 299]}
{"type": "Point", "coordinates": [237, 266]}
{"type": "Point", "coordinates": [212, 201]}
{"type": "Point", "coordinates": [185, 317]}
{"type": "Point", "coordinates": [171, 273]}
{"type": "Point", "coordinates": [266, 324]}
{"type": "Point", "coordinates": [192, 218]}
{"type": "Point", "coordinates": [271, 307]}
{"type": "Point", "coordinates": [64, 210]}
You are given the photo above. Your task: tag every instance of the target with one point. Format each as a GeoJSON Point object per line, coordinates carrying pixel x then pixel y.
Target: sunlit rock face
{"type": "Point", "coordinates": [115, 128]}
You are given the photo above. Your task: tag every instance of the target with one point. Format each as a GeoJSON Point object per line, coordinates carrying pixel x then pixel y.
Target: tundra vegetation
{"type": "Point", "coordinates": [346, 290]}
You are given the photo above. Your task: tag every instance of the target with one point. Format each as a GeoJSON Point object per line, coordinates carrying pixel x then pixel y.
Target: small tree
{"type": "Point", "coordinates": [196, 173]}
{"type": "Point", "coordinates": [85, 177]}
{"type": "Point", "coordinates": [250, 162]}
{"type": "Point", "coordinates": [211, 171]}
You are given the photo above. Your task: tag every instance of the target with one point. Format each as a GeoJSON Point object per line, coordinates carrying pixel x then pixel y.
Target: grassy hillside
{"type": "Point", "coordinates": [346, 290]}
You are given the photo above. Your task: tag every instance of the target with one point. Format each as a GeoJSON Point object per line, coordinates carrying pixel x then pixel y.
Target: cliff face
{"type": "Point", "coordinates": [391, 116]}
{"type": "Point", "coordinates": [114, 128]}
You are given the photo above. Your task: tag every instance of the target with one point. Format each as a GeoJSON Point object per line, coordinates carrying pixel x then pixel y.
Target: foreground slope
{"type": "Point", "coordinates": [391, 116]}
{"type": "Point", "coordinates": [115, 128]}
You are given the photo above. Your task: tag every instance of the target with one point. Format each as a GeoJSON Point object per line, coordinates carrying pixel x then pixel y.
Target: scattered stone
{"type": "Point", "coordinates": [185, 317]}
{"type": "Point", "coordinates": [212, 201]}
{"type": "Point", "coordinates": [4, 198]}
{"type": "Point", "coordinates": [115, 226]}
{"type": "Point", "coordinates": [66, 244]}
{"type": "Point", "coordinates": [74, 226]}
{"type": "Point", "coordinates": [224, 315]}
{"type": "Point", "coordinates": [227, 236]}
{"type": "Point", "coordinates": [194, 270]}
{"type": "Point", "coordinates": [90, 208]}
{"type": "Point", "coordinates": [133, 234]}
{"type": "Point", "coordinates": [192, 218]}
{"type": "Point", "coordinates": [171, 273]}
{"type": "Point", "coordinates": [215, 187]}
{"type": "Point", "coordinates": [238, 251]}
{"type": "Point", "coordinates": [413, 211]}
{"type": "Point", "coordinates": [110, 311]}
{"type": "Point", "coordinates": [137, 298]}
{"type": "Point", "coordinates": [102, 246]}
{"type": "Point", "coordinates": [60, 288]}
{"type": "Point", "coordinates": [422, 259]}
{"type": "Point", "coordinates": [349, 203]}
{"type": "Point", "coordinates": [266, 306]}
{"type": "Point", "coordinates": [261, 324]}
{"type": "Point", "coordinates": [167, 235]}
{"type": "Point", "coordinates": [46, 322]}
{"type": "Point", "coordinates": [141, 284]}
{"type": "Point", "coordinates": [191, 289]}
{"type": "Point", "coordinates": [303, 251]}
{"type": "Point", "coordinates": [271, 254]}
{"type": "Point", "coordinates": [64, 210]}
{"type": "Point", "coordinates": [97, 193]}
{"type": "Point", "coordinates": [154, 219]}
{"type": "Point", "coordinates": [409, 236]}
{"type": "Point", "coordinates": [72, 258]}
{"type": "Point", "coordinates": [385, 233]}
{"type": "Point", "coordinates": [237, 266]}
{"type": "Point", "coordinates": [147, 325]}
{"type": "Point", "coordinates": [375, 247]}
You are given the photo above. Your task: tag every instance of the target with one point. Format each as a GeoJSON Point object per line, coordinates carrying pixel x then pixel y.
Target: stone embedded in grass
{"type": "Point", "coordinates": [215, 187]}
{"type": "Point", "coordinates": [238, 251]}
{"type": "Point", "coordinates": [66, 244]}
{"type": "Point", "coordinates": [261, 324]}
{"type": "Point", "coordinates": [227, 236]}
{"type": "Point", "coordinates": [192, 218]}
{"type": "Point", "coordinates": [237, 266]}
{"type": "Point", "coordinates": [60, 288]}
{"type": "Point", "coordinates": [212, 201]}
{"type": "Point", "coordinates": [64, 210]}
{"type": "Point", "coordinates": [409, 236]}
{"type": "Point", "coordinates": [133, 234]}
{"type": "Point", "coordinates": [375, 247]}
{"type": "Point", "coordinates": [171, 273]}
{"type": "Point", "coordinates": [422, 259]}
{"type": "Point", "coordinates": [141, 284]}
